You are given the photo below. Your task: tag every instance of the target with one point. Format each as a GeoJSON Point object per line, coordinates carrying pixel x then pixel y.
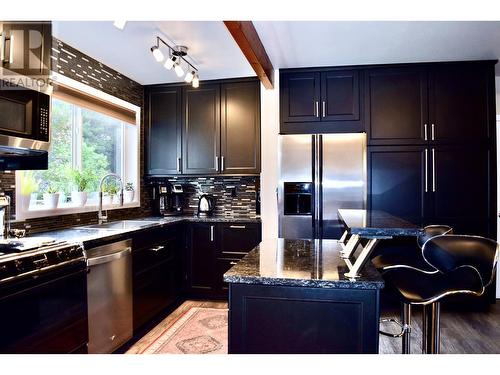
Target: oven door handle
{"type": "Point", "coordinates": [109, 257]}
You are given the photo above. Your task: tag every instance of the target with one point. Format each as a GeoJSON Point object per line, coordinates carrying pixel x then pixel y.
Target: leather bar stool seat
{"type": "Point", "coordinates": [464, 265]}
{"type": "Point", "coordinates": [390, 254]}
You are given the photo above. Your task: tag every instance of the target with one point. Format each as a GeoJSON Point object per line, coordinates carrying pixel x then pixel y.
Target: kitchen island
{"type": "Point", "coordinates": [292, 296]}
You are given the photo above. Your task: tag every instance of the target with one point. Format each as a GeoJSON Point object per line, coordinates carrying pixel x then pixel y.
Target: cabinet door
{"type": "Point", "coordinates": [459, 102]}
{"type": "Point", "coordinates": [397, 181]}
{"type": "Point", "coordinates": [396, 105]}
{"type": "Point", "coordinates": [201, 130]}
{"type": "Point", "coordinates": [461, 188]}
{"type": "Point", "coordinates": [300, 95]}
{"type": "Point", "coordinates": [164, 131]}
{"type": "Point", "coordinates": [240, 128]}
{"type": "Point", "coordinates": [201, 261]}
{"type": "Point", "coordinates": [27, 47]}
{"type": "Point", "coordinates": [340, 95]}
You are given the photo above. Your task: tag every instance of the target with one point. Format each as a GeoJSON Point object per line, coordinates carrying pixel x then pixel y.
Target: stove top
{"type": "Point", "coordinates": [31, 256]}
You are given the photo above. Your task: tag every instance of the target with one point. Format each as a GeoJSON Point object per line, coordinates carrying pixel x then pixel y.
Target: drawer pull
{"type": "Point", "coordinates": [157, 248]}
{"type": "Point", "coordinates": [237, 226]}
{"type": "Point", "coordinates": [233, 263]}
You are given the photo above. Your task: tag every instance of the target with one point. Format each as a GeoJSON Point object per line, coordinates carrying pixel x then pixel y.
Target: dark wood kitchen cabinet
{"type": "Point", "coordinates": [163, 119]}
{"type": "Point", "coordinates": [396, 105]}
{"type": "Point", "coordinates": [28, 47]}
{"type": "Point", "coordinates": [211, 130]}
{"type": "Point", "coordinates": [213, 248]}
{"type": "Point", "coordinates": [320, 101]}
{"type": "Point", "coordinates": [240, 128]}
{"type": "Point", "coordinates": [157, 275]}
{"type": "Point", "coordinates": [201, 129]}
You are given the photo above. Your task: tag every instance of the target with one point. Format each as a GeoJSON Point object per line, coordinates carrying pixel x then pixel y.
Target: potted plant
{"type": "Point", "coordinates": [128, 194]}
{"type": "Point", "coordinates": [109, 190]}
{"type": "Point", "coordinates": [81, 181]}
{"type": "Point", "coordinates": [29, 185]}
{"type": "Point", "coordinates": [51, 197]}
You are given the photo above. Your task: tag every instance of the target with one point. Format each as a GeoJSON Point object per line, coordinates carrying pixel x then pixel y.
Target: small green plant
{"type": "Point", "coordinates": [129, 186]}
{"type": "Point", "coordinates": [29, 184]}
{"type": "Point", "coordinates": [51, 189]}
{"type": "Point", "coordinates": [111, 188]}
{"type": "Point", "coordinates": [82, 179]}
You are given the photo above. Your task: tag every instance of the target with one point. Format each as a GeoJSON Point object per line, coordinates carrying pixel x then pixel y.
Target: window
{"type": "Point", "coordinates": [86, 144]}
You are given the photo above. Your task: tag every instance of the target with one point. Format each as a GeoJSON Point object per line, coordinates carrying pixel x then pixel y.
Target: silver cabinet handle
{"type": "Point", "coordinates": [222, 163]}
{"type": "Point", "coordinates": [217, 164]}
{"type": "Point", "coordinates": [433, 170]}
{"type": "Point", "coordinates": [233, 263]}
{"type": "Point", "coordinates": [179, 165]}
{"type": "Point", "coordinates": [157, 248]}
{"type": "Point", "coordinates": [211, 233]}
{"type": "Point", "coordinates": [3, 46]}
{"type": "Point", "coordinates": [425, 132]}
{"type": "Point", "coordinates": [324, 109]}
{"type": "Point", "coordinates": [237, 226]}
{"type": "Point", "coordinates": [432, 132]}
{"type": "Point", "coordinates": [317, 109]}
{"type": "Point", "coordinates": [426, 160]}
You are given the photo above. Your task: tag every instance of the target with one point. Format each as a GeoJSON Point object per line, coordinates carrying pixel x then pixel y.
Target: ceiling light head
{"type": "Point", "coordinates": [189, 76]}
{"type": "Point", "coordinates": [119, 24]}
{"type": "Point", "coordinates": [158, 55]}
{"type": "Point", "coordinates": [196, 81]}
{"type": "Point", "coordinates": [169, 63]}
{"type": "Point", "coordinates": [180, 51]}
{"type": "Point", "coordinates": [178, 70]}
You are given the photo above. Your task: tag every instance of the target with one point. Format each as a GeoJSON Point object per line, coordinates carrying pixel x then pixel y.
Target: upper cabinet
{"type": "Point", "coordinates": [25, 47]}
{"type": "Point", "coordinates": [434, 103]}
{"type": "Point", "coordinates": [163, 121]}
{"type": "Point", "coordinates": [240, 128]}
{"type": "Point", "coordinates": [214, 129]}
{"type": "Point", "coordinates": [396, 105]}
{"type": "Point", "coordinates": [326, 101]}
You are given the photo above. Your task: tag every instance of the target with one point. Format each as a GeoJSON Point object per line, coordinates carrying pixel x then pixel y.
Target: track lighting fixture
{"type": "Point", "coordinates": [119, 24]}
{"type": "Point", "coordinates": [177, 58]}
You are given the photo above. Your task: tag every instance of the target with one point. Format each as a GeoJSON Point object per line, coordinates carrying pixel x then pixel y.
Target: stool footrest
{"type": "Point", "coordinates": [403, 328]}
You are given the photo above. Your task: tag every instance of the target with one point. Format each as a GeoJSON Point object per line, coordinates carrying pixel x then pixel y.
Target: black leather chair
{"type": "Point", "coordinates": [464, 264]}
{"type": "Point", "coordinates": [392, 254]}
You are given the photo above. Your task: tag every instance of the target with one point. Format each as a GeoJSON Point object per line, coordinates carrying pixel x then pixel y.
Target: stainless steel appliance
{"type": "Point", "coordinates": [109, 296]}
{"type": "Point", "coordinates": [43, 301]}
{"type": "Point", "coordinates": [319, 174]}
{"type": "Point", "coordinates": [168, 199]}
{"type": "Point", "coordinates": [24, 127]}
{"type": "Point", "coordinates": [206, 205]}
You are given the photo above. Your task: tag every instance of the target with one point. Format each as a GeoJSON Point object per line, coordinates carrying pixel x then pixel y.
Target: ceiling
{"type": "Point", "coordinates": [288, 44]}
{"type": "Point", "coordinates": [211, 47]}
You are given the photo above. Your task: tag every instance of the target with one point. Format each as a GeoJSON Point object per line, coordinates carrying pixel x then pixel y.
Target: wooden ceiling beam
{"type": "Point", "coordinates": [248, 40]}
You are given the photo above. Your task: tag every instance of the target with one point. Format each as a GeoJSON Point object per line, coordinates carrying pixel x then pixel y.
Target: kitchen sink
{"type": "Point", "coordinates": [121, 225]}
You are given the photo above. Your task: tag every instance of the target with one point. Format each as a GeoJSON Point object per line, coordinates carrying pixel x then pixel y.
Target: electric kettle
{"type": "Point", "coordinates": [206, 205]}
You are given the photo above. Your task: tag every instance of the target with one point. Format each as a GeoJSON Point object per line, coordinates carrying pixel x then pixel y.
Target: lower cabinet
{"type": "Point", "coordinates": [157, 274]}
{"type": "Point", "coordinates": [213, 248]}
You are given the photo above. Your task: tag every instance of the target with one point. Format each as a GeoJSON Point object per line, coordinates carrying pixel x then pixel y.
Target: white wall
{"type": "Point", "coordinates": [269, 175]}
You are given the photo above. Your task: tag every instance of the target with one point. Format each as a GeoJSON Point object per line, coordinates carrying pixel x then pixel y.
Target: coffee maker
{"type": "Point", "coordinates": [168, 199]}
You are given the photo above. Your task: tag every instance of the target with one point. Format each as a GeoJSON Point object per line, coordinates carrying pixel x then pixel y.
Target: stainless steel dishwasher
{"type": "Point", "coordinates": [109, 294]}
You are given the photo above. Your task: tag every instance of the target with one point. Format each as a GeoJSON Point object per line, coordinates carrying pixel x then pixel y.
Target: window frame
{"type": "Point", "coordinates": [22, 215]}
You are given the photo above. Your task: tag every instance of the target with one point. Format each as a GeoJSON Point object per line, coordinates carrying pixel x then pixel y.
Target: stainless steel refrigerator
{"type": "Point", "coordinates": [319, 174]}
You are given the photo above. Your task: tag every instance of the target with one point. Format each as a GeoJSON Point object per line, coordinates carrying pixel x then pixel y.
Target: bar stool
{"type": "Point", "coordinates": [391, 255]}
{"type": "Point", "coordinates": [464, 264]}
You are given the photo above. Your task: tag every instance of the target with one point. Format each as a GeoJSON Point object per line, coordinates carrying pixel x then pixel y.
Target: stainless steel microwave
{"type": "Point", "coordinates": [24, 118]}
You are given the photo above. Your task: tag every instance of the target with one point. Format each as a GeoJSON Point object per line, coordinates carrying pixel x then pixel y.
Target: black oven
{"type": "Point", "coordinates": [46, 313]}
{"type": "Point", "coordinates": [24, 117]}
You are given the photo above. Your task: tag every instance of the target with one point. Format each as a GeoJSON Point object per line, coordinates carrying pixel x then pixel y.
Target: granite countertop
{"type": "Point", "coordinates": [376, 224]}
{"type": "Point", "coordinates": [84, 234]}
{"type": "Point", "coordinates": [303, 263]}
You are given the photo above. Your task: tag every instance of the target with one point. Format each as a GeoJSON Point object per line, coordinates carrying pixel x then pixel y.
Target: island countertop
{"type": "Point", "coordinates": [304, 263]}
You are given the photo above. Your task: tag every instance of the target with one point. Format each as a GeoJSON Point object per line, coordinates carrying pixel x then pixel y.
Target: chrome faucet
{"type": "Point", "coordinates": [100, 217]}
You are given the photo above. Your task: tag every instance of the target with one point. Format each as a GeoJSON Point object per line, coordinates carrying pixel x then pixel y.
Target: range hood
{"type": "Point", "coordinates": [13, 158]}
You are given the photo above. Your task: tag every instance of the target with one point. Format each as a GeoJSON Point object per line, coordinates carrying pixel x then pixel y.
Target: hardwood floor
{"type": "Point", "coordinates": [462, 332]}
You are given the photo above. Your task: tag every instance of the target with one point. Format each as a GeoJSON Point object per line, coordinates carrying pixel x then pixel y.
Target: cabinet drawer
{"type": "Point", "coordinates": [237, 239]}
{"type": "Point", "coordinates": [148, 257]}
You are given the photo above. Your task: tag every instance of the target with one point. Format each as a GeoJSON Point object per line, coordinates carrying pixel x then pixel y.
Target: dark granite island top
{"type": "Point", "coordinates": [366, 223]}
{"type": "Point", "coordinates": [303, 263]}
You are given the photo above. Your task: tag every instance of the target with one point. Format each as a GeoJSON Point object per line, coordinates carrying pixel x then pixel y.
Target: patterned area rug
{"type": "Point", "coordinates": [200, 330]}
